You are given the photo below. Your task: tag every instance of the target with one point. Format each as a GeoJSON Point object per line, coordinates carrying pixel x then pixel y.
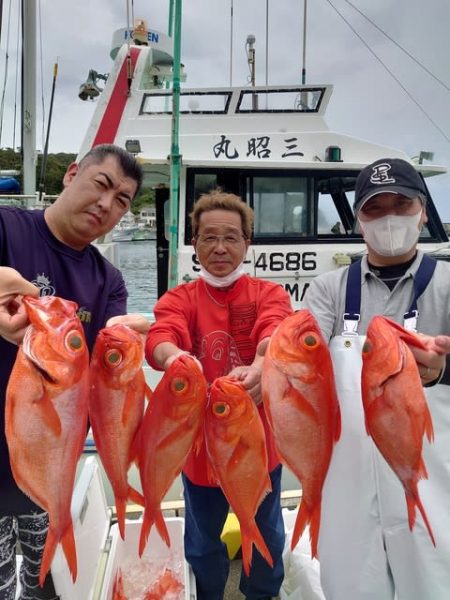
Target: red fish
{"type": "Point", "coordinates": [236, 446]}
{"type": "Point", "coordinates": [46, 416]}
{"type": "Point", "coordinates": [118, 592]}
{"type": "Point", "coordinates": [166, 586]}
{"type": "Point", "coordinates": [396, 411]}
{"type": "Point", "coordinates": [116, 407]}
{"type": "Point", "coordinates": [171, 427]}
{"type": "Point", "coordinates": [302, 407]}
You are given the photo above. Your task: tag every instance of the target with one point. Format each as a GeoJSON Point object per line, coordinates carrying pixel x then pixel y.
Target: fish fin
{"type": "Point", "coordinates": [411, 503]}
{"type": "Point", "coordinates": [303, 518]}
{"type": "Point", "coordinates": [133, 455]}
{"type": "Point", "coordinates": [146, 527]}
{"type": "Point", "coordinates": [251, 535]}
{"type": "Point", "coordinates": [70, 552]}
{"type": "Point", "coordinates": [429, 431]}
{"type": "Point", "coordinates": [136, 496]}
{"type": "Point", "coordinates": [314, 527]}
{"type": "Point", "coordinates": [162, 528]}
{"type": "Point", "coordinates": [68, 544]}
{"type": "Point", "coordinates": [301, 403]}
{"type": "Point", "coordinates": [50, 416]}
{"type": "Point", "coordinates": [127, 408]}
{"type": "Point", "coordinates": [47, 557]}
{"type": "Point", "coordinates": [120, 512]}
{"type": "Point", "coordinates": [407, 336]}
{"type": "Point", "coordinates": [147, 524]}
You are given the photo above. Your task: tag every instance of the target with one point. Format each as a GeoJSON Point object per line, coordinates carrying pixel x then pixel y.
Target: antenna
{"type": "Point", "coordinates": [251, 63]}
{"type": "Point", "coordinates": [305, 6]}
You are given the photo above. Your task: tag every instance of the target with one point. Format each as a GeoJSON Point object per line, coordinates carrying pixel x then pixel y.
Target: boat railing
{"type": "Point", "coordinates": [29, 201]}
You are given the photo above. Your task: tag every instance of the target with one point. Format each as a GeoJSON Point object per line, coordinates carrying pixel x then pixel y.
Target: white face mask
{"type": "Point", "coordinates": [392, 235]}
{"type": "Point", "coordinates": [221, 282]}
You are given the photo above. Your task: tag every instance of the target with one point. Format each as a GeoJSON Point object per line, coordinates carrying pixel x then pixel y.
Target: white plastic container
{"type": "Point", "coordinates": [156, 550]}
{"type": "Point", "coordinates": [100, 549]}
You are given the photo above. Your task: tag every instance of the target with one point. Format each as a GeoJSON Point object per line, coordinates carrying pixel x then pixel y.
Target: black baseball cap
{"type": "Point", "coordinates": [393, 175]}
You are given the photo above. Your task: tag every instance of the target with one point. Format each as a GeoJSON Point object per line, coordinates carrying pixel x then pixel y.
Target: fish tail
{"type": "Point", "coordinates": [314, 527]}
{"type": "Point", "coordinates": [70, 551]}
{"type": "Point", "coordinates": [251, 535]}
{"type": "Point", "coordinates": [147, 524]}
{"type": "Point", "coordinates": [120, 512]}
{"type": "Point", "coordinates": [303, 518]}
{"type": "Point", "coordinates": [150, 518]}
{"type": "Point", "coordinates": [135, 496]}
{"type": "Point", "coordinates": [411, 503]}
{"type": "Point", "coordinates": [68, 544]}
{"type": "Point", "coordinates": [162, 528]}
{"type": "Point", "coordinates": [47, 557]}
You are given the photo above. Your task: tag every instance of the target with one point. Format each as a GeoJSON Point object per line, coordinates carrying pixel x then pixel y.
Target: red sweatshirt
{"type": "Point", "coordinates": [222, 329]}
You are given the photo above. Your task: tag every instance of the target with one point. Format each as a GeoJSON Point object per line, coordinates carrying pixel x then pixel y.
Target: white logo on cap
{"type": "Point", "coordinates": [381, 175]}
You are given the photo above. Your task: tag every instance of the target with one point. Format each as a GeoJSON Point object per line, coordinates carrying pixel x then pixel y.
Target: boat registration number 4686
{"type": "Point", "coordinates": [289, 261]}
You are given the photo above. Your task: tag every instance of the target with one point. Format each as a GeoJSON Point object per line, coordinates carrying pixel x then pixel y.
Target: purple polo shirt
{"type": "Point", "coordinates": [86, 277]}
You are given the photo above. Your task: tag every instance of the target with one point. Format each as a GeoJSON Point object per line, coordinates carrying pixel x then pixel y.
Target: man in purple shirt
{"type": "Point", "coordinates": [50, 253]}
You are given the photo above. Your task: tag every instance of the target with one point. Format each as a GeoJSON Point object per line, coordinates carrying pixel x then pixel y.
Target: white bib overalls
{"type": "Point", "coordinates": [366, 549]}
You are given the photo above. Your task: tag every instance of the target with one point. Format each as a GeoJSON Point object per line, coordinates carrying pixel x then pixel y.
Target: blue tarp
{"type": "Point", "coordinates": [9, 185]}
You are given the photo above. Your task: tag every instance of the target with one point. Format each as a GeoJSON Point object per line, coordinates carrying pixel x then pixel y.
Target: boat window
{"type": "Point", "coordinates": [291, 100]}
{"type": "Point", "coordinates": [328, 219]}
{"type": "Point", "coordinates": [203, 103]}
{"type": "Point", "coordinates": [280, 205]}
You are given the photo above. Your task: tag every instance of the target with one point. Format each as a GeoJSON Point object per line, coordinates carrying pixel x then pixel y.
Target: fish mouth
{"type": "Point", "coordinates": [28, 351]}
{"type": "Point", "coordinates": [44, 374]}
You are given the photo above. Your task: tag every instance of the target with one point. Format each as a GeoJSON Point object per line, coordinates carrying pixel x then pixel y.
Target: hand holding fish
{"type": "Point", "coordinates": [13, 317]}
{"type": "Point", "coordinates": [431, 361]}
{"type": "Point", "coordinates": [250, 375]}
{"type": "Point", "coordinates": [134, 321]}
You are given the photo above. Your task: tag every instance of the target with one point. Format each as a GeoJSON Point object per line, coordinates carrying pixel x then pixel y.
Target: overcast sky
{"type": "Point", "coordinates": [367, 101]}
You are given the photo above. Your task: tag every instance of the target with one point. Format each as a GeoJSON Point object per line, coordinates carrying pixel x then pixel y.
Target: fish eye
{"type": "Point", "coordinates": [310, 341]}
{"type": "Point", "coordinates": [113, 358]}
{"type": "Point", "coordinates": [367, 347]}
{"type": "Point", "coordinates": [74, 341]}
{"type": "Point", "coordinates": [221, 409]}
{"type": "Point", "coordinates": [178, 385]}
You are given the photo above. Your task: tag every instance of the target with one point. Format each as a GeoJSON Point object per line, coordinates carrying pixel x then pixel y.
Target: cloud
{"type": "Point", "coordinates": [367, 101]}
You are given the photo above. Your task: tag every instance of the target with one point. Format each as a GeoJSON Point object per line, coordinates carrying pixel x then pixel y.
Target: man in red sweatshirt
{"type": "Point", "coordinates": [224, 319]}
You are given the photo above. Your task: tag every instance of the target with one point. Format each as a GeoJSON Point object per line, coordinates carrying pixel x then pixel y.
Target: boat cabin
{"type": "Point", "coordinates": [270, 145]}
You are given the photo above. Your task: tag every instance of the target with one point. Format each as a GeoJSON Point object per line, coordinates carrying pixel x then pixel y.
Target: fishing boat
{"type": "Point", "coordinates": [269, 144]}
{"type": "Point", "coordinates": [125, 229]}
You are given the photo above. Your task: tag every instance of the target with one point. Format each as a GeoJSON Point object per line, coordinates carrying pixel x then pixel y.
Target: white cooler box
{"type": "Point", "coordinates": [101, 550]}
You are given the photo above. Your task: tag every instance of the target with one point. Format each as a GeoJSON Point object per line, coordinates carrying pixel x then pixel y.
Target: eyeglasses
{"type": "Point", "coordinates": [229, 239]}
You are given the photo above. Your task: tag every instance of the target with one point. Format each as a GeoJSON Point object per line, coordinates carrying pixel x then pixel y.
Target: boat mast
{"type": "Point", "coordinates": [29, 97]}
{"type": "Point", "coordinates": [305, 6]}
{"type": "Point", "coordinates": [175, 156]}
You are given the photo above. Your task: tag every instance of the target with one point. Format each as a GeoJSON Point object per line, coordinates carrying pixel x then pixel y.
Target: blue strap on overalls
{"type": "Point", "coordinates": [353, 294]}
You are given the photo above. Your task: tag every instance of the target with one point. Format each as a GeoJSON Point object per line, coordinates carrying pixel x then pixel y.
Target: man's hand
{"type": "Point", "coordinates": [250, 377]}
{"type": "Point", "coordinates": [134, 321]}
{"type": "Point", "coordinates": [431, 362]}
{"type": "Point", "coordinates": [13, 317]}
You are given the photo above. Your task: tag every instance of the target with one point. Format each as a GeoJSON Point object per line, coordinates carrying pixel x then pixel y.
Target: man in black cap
{"type": "Point", "coordinates": [366, 548]}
